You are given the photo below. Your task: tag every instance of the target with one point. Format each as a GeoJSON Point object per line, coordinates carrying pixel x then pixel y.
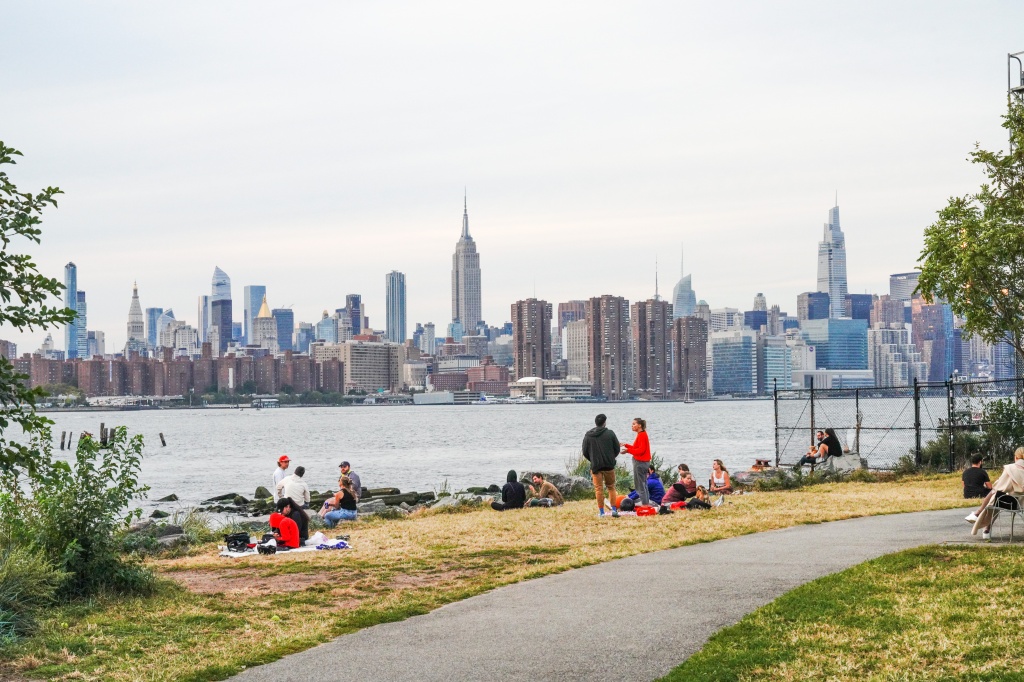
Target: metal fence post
{"type": "Point", "coordinates": [950, 410]}
{"type": "Point", "coordinates": [775, 400]}
{"type": "Point", "coordinates": [917, 422]}
{"type": "Point", "coordinates": [812, 411]}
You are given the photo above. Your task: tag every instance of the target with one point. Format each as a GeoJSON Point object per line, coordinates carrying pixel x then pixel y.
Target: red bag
{"type": "Point", "coordinates": [644, 510]}
{"type": "Point", "coordinates": [678, 505]}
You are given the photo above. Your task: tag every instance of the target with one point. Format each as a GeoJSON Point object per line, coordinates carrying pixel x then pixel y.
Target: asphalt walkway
{"type": "Point", "coordinates": [629, 619]}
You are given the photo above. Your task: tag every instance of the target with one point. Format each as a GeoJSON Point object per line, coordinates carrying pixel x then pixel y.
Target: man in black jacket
{"type": "Point", "coordinates": [600, 448]}
{"type": "Point", "coordinates": [513, 494]}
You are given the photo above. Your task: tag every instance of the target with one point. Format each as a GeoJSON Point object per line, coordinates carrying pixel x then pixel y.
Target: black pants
{"type": "Point", "coordinates": [501, 506]}
{"type": "Point", "coordinates": [694, 503]}
{"type": "Point", "coordinates": [1006, 501]}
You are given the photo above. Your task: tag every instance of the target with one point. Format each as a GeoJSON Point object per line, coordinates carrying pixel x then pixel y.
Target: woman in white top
{"type": "Point", "coordinates": [720, 482]}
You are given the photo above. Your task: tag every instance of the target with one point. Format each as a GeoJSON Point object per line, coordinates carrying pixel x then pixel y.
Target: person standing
{"type": "Point", "coordinates": [641, 451]}
{"type": "Point", "coordinates": [279, 473]}
{"type": "Point", "coordinates": [357, 485]}
{"type": "Point", "coordinates": [600, 448]}
{"type": "Point", "coordinates": [513, 494]}
{"type": "Point", "coordinates": [294, 487]}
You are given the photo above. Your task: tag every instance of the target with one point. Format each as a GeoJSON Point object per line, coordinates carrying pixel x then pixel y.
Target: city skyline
{"type": "Point", "coordinates": [582, 160]}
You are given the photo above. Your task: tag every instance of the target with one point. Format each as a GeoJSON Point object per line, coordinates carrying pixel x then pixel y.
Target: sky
{"type": "Point", "coordinates": [315, 147]}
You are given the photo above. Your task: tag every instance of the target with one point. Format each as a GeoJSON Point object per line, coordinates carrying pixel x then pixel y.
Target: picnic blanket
{"type": "Point", "coordinates": [323, 543]}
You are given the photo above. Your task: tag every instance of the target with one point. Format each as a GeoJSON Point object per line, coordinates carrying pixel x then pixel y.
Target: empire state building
{"type": "Point", "coordinates": [466, 279]}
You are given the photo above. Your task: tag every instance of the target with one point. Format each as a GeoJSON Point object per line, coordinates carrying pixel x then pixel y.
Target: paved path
{"type": "Point", "coordinates": [585, 631]}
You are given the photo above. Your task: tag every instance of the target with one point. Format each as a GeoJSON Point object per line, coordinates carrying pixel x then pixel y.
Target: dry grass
{"type": "Point", "coordinates": [396, 569]}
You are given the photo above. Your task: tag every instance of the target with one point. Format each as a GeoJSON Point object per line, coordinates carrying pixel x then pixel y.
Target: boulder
{"type": "Point", "coordinates": [172, 540]}
{"type": "Point", "coordinates": [448, 501]}
{"type": "Point", "coordinates": [170, 498]}
{"type": "Point", "coordinates": [170, 529]}
{"type": "Point", "coordinates": [221, 498]}
{"type": "Point", "coordinates": [405, 506]}
{"type": "Point", "coordinates": [158, 514]}
{"type": "Point", "coordinates": [493, 488]}
{"type": "Point", "coordinates": [567, 485]}
{"type": "Point", "coordinates": [426, 497]}
{"type": "Point", "coordinates": [140, 526]}
{"type": "Point", "coordinates": [478, 489]}
{"type": "Point", "coordinates": [262, 493]}
{"type": "Point", "coordinates": [238, 499]}
{"type": "Point", "coordinates": [371, 506]}
{"type": "Point", "coordinates": [394, 500]}
{"type": "Point", "coordinates": [377, 492]}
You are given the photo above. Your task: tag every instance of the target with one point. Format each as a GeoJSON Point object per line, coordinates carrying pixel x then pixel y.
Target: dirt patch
{"type": "Point", "coordinates": [235, 582]}
{"type": "Point", "coordinates": [414, 581]}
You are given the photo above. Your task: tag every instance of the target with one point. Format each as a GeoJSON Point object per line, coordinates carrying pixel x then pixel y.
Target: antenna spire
{"type": "Point", "coordinates": [656, 296]}
{"type": "Point", "coordinates": [465, 214]}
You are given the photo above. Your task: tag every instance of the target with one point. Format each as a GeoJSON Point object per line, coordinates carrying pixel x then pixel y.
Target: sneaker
{"type": "Point", "coordinates": [971, 518]}
{"type": "Point", "coordinates": [986, 535]}
{"type": "Point", "coordinates": [720, 501]}
{"type": "Point", "coordinates": [600, 514]}
{"type": "Point", "coordinates": [615, 512]}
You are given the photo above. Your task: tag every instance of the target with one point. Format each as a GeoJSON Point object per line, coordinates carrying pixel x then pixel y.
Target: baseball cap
{"type": "Point", "coordinates": [345, 464]}
{"type": "Point", "coordinates": [283, 458]}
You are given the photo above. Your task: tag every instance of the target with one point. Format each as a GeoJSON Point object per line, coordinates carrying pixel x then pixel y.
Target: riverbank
{"type": "Point", "coordinates": [212, 617]}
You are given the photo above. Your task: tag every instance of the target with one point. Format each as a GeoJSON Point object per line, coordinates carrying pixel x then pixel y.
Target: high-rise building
{"type": "Point", "coordinates": [356, 313]}
{"type": "Point", "coordinates": [932, 335]}
{"type": "Point", "coordinates": [734, 357]}
{"type": "Point", "coordinates": [755, 319]}
{"type": "Point", "coordinates": [902, 285]}
{"type": "Point", "coordinates": [203, 316]}
{"type": "Point", "coordinates": [760, 303]}
{"type": "Point", "coordinates": [220, 319]}
{"type": "Point", "coordinates": [82, 320]}
{"type": "Point", "coordinates": [1004, 361]}
{"type": "Point", "coordinates": [327, 328]}
{"type": "Point", "coordinates": [886, 312]}
{"type": "Point", "coordinates": [264, 328]}
{"type": "Point", "coordinates": [651, 322]}
{"type": "Point", "coordinates": [220, 286]}
{"type": "Point", "coordinates": [429, 342]}
{"type": "Point", "coordinates": [608, 340]}
{"type": "Point", "coordinates": [689, 364]}
{"type": "Point", "coordinates": [722, 319]}
{"type": "Point", "coordinates": [152, 316]}
{"type": "Point", "coordinates": [74, 327]}
{"type": "Point", "coordinates": [576, 349]}
{"type": "Point", "coordinates": [285, 319]}
{"type": "Point", "coordinates": [812, 305]}
{"type": "Point", "coordinates": [252, 298]}
{"type": "Point", "coordinates": [531, 339]}
{"type": "Point", "coordinates": [9, 350]}
{"type": "Point", "coordinates": [892, 359]}
{"type": "Point", "coordinates": [832, 263]}
{"type": "Point", "coordinates": [841, 343]}
{"type": "Point", "coordinates": [858, 306]}
{"type": "Point", "coordinates": [136, 319]}
{"type": "Point", "coordinates": [571, 311]}
{"type": "Point", "coordinates": [466, 307]}
{"type": "Point", "coordinates": [684, 301]}
{"type": "Point", "coordinates": [775, 325]}
{"type": "Point", "coordinates": [305, 334]}
{"type": "Point", "coordinates": [96, 344]}
{"type": "Point", "coordinates": [394, 307]}
{"type": "Point", "coordinates": [774, 364]}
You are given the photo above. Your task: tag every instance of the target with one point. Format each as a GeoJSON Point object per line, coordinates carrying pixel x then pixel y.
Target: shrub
{"type": "Point", "coordinates": [1004, 429]}
{"type": "Point", "coordinates": [28, 583]}
{"type": "Point", "coordinates": [784, 479]}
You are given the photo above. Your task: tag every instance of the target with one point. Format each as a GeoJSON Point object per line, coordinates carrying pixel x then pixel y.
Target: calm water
{"type": "Point", "coordinates": [215, 451]}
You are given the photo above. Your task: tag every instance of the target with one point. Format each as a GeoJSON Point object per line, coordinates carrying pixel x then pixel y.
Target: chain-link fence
{"type": "Point", "coordinates": [987, 418]}
{"type": "Point", "coordinates": [882, 426]}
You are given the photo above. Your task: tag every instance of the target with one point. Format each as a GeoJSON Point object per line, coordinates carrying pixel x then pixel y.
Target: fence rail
{"type": "Point", "coordinates": [935, 424]}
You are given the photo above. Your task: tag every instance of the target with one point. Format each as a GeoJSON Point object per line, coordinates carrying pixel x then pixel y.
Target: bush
{"type": "Point", "coordinates": [74, 509]}
{"type": "Point", "coordinates": [935, 453]}
{"type": "Point", "coordinates": [784, 479]}
{"type": "Point", "coordinates": [579, 466]}
{"type": "Point", "coordinates": [28, 583]}
{"type": "Point", "coordinates": [1004, 430]}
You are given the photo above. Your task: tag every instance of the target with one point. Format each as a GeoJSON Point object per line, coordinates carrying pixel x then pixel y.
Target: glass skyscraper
{"type": "Point", "coordinates": [82, 336]}
{"type": "Point", "coordinates": [252, 298]}
{"type": "Point", "coordinates": [684, 301]}
{"type": "Point", "coordinates": [71, 331]}
{"type": "Point", "coordinates": [152, 317]}
{"type": "Point", "coordinates": [840, 343]}
{"type": "Point", "coordinates": [395, 307]}
{"type": "Point", "coordinates": [832, 264]}
{"type": "Point", "coordinates": [285, 328]}
{"type": "Point", "coordinates": [734, 362]}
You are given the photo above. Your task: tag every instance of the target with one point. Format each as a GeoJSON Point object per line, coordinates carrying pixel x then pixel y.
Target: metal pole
{"type": "Point", "coordinates": [917, 422]}
{"type": "Point", "coordinates": [775, 399]}
{"type": "Point", "coordinates": [950, 409]}
{"type": "Point", "coordinates": [812, 411]}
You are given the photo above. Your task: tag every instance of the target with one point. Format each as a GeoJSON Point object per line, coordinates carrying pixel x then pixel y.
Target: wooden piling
{"type": "Point", "coordinates": [62, 435]}
{"type": "Point", "coordinates": [162, 441]}
{"type": "Point", "coordinates": [103, 434]}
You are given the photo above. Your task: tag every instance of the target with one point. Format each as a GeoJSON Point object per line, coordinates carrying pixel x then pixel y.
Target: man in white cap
{"type": "Point", "coordinates": [280, 472]}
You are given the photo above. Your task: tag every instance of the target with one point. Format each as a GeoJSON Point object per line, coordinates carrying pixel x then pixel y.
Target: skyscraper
{"type": "Point", "coordinates": [82, 320]}
{"type": "Point", "coordinates": [136, 320]}
{"type": "Point", "coordinates": [608, 341]}
{"type": "Point", "coordinates": [429, 342]}
{"type": "Point", "coordinates": [220, 319]}
{"type": "Point", "coordinates": [683, 299]}
{"type": "Point", "coordinates": [760, 303]}
{"type": "Point", "coordinates": [74, 327]}
{"type": "Point", "coordinates": [690, 347]}
{"type": "Point", "coordinates": [841, 343]}
{"type": "Point", "coordinates": [152, 315]}
{"type": "Point", "coordinates": [832, 263]}
{"type": "Point", "coordinates": [354, 306]}
{"type": "Point", "coordinates": [252, 297]}
{"type": "Point", "coordinates": [932, 334]}
{"type": "Point", "coordinates": [902, 285]}
{"type": "Point", "coordinates": [651, 322]}
{"type": "Point", "coordinates": [394, 307]}
{"type": "Point", "coordinates": [264, 328]}
{"type": "Point", "coordinates": [813, 305]}
{"type": "Point", "coordinates": [531, 338]}
{"type": "Point", "coordinates": [221, 286]}
{"type": "Point", "coordinates": [203, 315]}
{"type": "Point", "coordinates": [285, 319]}
{"type": "Point", "coordinates": [466, 307]}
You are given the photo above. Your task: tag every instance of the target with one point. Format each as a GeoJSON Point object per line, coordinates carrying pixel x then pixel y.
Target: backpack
{"type": "Point", "coordinates": [627, 505]}
{"type": "Point", "coordinates": [237, 542]}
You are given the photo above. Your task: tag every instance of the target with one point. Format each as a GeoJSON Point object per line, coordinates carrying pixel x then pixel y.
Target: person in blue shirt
{"type": "Point", "coordinates": [655, 489]}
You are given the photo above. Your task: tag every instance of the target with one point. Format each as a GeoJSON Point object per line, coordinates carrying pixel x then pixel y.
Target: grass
{"type": "Point", "coordinates": [212, 617]}
{"type": "Point", "coordinates": [931, 613]}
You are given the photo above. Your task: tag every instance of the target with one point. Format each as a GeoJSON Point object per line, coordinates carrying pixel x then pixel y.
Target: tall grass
{"type": "Point", "coordinates": [28, 583]}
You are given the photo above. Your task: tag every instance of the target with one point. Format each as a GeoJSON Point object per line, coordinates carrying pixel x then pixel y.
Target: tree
{"type": "Point", "coordinates": [23, 305]}
{"type": "Point", "coordinates": [973, 256]}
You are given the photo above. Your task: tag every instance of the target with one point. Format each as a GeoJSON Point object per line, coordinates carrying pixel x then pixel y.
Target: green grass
{"type": "Point", "coordinates": [932, 613]}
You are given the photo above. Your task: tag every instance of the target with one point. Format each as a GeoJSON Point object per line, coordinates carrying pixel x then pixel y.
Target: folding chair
{"type": "Point", "coordinates": [996, 510]}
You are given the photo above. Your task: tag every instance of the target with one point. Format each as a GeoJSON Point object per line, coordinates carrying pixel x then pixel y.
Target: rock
{"type": "Point", "coordinates": [395, 500]}
{"type": "Point", "coordinates": [371, 506]}
{"type": "Point", "coordinates": [262, 493]}
{"type": "Point", "coordinates": [170, 529]}
{"type": "Point", "coordinates": [140, 526]}
{"type": "Point", "coordinates": [170, 498]}
{"type": "Point", "coordinates": [221, 498]}
{"type": "Point", "coordinates": [449, 501]}
{"type": "Point", "coordinates": [172, 540]}
{"type": "Point", "coordinates": [477, 490]}
{"type": "Point", "coordinates": [567, 485]}
{"type": "Point", "coordinates": [238, 499]}
{"type": "Point", "coordinates": [493, 488]}
{"type": "Point", "coordinates": [158, 514]}
{"type": "Point", "coordinates": [405, 506]}
{"type": "Point", "coordinates": [377, 492]}
{"type": "Point", "coordinates": [426, 497]}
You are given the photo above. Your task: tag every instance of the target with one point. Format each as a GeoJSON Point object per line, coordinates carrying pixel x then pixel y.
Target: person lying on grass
{"type": "Point", "coordinates": [543, 493]}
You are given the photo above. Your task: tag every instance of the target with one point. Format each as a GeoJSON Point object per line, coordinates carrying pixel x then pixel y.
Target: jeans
{"type": "Point", "coordinates": [332, 517]}
{"type": "Point", "coordinates": [541, 502]}
{"type": "Point", "coordinates": [640, 481]}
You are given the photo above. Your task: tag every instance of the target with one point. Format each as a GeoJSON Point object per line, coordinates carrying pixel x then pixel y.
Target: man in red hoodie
{"type": "Point", "coordinates": [286, 531]}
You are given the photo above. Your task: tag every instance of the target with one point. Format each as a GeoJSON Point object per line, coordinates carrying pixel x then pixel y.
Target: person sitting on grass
{"type": "Point", "coordinates": [681, 490]}
{"type": "Point", "coordinates": [341, 507]}
{"type": "Point", "coordinates": [513, 494]}
{"type": "Point", "coordinates": [1009, 483]}
{"type": "Point", "coordinates": [720, 483]}
{"type": "Point", "coordinates": [285, 531]}
{"type": "Point", "coordinates": [286, 506]}
{"type": "Point", "coordinates": [543, 493]}
{"type": "Point", "coordinates": [655, 489]}
{"type": "Point", "coordinates": [975, 479]}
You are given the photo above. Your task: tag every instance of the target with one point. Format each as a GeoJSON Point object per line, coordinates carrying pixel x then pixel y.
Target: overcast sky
{"type": "Point", "coordinates": [314, 147]}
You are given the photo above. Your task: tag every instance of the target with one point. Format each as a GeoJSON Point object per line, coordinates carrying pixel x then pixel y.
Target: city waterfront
{"type": "Point", "coordinates": [214, 451]}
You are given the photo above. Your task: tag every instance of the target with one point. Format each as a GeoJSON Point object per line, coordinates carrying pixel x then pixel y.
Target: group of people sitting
{"type": "Point", "coordinates": [291, 495]}
{"type": "Point", "coordinates": [826, 445]}
{"type": "Point", "coordinates": [515, 495]}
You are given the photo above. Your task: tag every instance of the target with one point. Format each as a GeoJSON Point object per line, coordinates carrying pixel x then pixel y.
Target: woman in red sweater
{"type": "Point", "coordinates": [641, 451]}
{"type": "Point", "coordinates": [286, 531]}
